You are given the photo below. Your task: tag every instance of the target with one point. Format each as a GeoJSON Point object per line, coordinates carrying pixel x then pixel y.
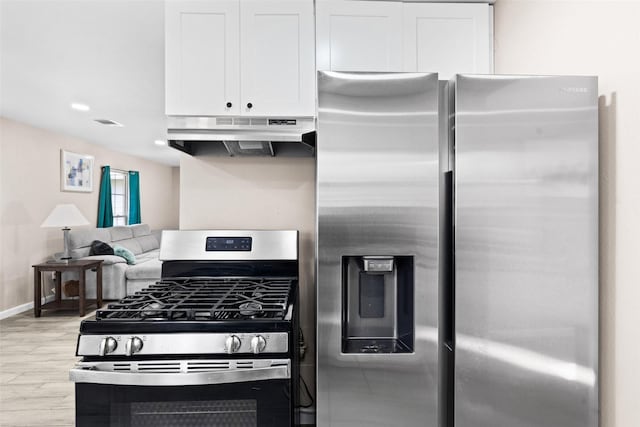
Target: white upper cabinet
{"type": "Point", "coordinates": [447, 38]}
{"type": "Point", "coordinates": [240, 57]}
{"type": "Point", "coordinates": [359, 36]}
{"type": "Point", "coordinates": [277, 57]}
{"type": "Point", "coordinates": [395, 36]}
{"type": "Point", "coordinates": [202, 57]}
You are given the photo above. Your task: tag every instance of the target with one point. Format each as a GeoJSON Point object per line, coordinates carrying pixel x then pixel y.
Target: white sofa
{"type": "Point", "coordinates": [119, 278]}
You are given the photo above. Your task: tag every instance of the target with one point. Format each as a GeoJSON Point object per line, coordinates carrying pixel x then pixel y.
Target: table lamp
{"type": "Point", "coordinates": [65, 216]}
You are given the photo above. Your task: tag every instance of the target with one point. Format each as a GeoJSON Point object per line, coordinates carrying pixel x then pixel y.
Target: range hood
{"type": "Point", "coordinates": [243, 136]}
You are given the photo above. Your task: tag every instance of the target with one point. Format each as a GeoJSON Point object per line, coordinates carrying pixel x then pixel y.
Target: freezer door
{"type": "Point", "coordinates": [377, 287]}
{"type": "Point", "coordinates": [526, 242]}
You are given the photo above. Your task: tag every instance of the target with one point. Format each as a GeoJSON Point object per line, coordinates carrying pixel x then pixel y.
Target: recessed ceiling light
{"type": "Point", "coordinates": [108, 122]}
{"type": "Point", "coordinates": [80, 107]}
{"type": "Point", "coordinates": [160, 142]}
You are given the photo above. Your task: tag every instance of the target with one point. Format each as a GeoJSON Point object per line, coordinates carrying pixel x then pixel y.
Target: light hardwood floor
{"type": "Point", "coordinates": [35, 358]}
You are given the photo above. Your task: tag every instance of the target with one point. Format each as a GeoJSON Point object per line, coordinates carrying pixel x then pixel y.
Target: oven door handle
{"type": "Point", "coordinates": [153, 379]}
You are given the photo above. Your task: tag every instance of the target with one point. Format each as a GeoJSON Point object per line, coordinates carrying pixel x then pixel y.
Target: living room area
{"type": "Point", "coordinates": [32, 187]}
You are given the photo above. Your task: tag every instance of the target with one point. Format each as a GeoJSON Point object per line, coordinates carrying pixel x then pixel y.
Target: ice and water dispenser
{"type": "Point", "coordinates": [377, 304]}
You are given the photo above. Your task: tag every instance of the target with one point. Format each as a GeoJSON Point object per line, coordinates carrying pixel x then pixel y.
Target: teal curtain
{"type": "Point", "coordinates": [105, 212]}
{"type": "Point", "coordinates": [134, 197]}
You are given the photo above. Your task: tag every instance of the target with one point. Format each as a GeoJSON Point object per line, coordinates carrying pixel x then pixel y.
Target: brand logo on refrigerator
{"type": "Point", "coordinates": [574, 90]}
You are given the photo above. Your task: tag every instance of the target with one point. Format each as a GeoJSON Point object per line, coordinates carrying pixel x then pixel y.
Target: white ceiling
{"type": "Point", "coordinates": [108, 54]}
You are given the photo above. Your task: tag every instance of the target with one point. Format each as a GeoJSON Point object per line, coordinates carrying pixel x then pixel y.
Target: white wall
{"type": "Point", "coordinates": [597, 37]}
{"type": "Point", "coordinates": [30, 189]}
{"type": "Point", "coordinates": [258, 193]}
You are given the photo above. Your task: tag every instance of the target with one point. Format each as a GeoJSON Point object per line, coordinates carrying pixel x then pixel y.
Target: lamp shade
{"type": "Point", "coordinates": [64, 216]}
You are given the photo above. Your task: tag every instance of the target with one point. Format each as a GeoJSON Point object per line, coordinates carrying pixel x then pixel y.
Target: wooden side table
{"type": "Point", "coordinates": [81, 266]}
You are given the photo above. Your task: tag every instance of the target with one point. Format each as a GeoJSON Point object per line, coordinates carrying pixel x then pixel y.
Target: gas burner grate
{"type": "Point", "coordinates": [204, 299]}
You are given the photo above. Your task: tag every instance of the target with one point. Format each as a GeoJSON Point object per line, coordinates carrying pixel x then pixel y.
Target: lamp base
{"type": "Point", "coordinates": [66, 255]}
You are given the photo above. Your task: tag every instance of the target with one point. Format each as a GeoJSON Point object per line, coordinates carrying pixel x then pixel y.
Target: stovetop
{"type": "Point", "coordinates": [204, 299]}
{"type": "Point", "coordinates": [200, 304]}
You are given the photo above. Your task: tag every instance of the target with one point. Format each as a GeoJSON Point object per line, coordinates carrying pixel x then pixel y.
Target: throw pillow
{"type": "Point", "coordinates": [124, 253]}
{"type": "Point", "coordinates": [99, 247]}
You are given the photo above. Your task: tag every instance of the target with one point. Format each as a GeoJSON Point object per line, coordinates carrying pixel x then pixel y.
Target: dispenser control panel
{"type": "Point", "coordinates": [378, 264]}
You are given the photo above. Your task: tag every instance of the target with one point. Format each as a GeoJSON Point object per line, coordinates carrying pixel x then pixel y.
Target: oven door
{"type": "Point", "coordinates": [183, 393]}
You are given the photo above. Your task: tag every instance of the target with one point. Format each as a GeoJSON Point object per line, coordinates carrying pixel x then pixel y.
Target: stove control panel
{"type": "Point", "coordinates": [183, 343]}
{"type": "Point", "coordinates": [228, 244]}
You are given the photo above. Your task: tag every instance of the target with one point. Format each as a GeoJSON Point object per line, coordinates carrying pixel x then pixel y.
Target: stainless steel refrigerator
{"type": "Point", "coordinates": [457, 251]}
{"type": "Point", "coordinates": [525, 165]}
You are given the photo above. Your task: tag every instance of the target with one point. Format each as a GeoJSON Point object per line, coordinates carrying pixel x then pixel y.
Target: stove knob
{"type": "Point", "coordinates": [107, 345]}
{"type": "Point", "coordinates": [232, 344]}
{"type": "Point", "coordinates": [133, 345]}
{"type": "Point", "coordinates": [258, 343]}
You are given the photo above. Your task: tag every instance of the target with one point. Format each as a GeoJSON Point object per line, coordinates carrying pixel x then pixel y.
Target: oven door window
{"type": "Point", "coordinates": [247, 404]}
{"type": "Point", "coordinates": [241, 413]}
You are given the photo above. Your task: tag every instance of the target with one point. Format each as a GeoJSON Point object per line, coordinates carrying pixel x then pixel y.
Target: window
{"type": "Point", "coordinates": [119, 196]}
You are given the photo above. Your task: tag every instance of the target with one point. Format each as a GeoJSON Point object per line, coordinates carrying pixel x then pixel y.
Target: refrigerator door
{"type": "Point", "coordinates": [526, 242]}
{"type": "Point", "coordinates": [377, 278]}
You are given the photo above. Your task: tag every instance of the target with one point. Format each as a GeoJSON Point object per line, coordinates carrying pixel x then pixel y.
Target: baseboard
{"type": "Point", "coordinates": [22, 308]}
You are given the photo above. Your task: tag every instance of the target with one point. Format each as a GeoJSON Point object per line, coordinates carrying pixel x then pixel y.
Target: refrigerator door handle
{"type": "Point", "coordinates": [447, 296]}
{"type": "Point", "coordinates": [448, 290]}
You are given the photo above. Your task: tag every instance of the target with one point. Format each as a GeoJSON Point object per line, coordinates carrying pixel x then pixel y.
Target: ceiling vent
{"type": "Point", "coordinates": [108, 122]}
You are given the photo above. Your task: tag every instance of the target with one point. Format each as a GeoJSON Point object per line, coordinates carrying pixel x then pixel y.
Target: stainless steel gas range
{"type": "Point", "coordinates": [213, 343]}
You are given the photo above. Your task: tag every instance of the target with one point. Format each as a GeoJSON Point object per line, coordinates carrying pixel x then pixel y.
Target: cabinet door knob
{"type": "Point", "coordinates": [229, 105]}
{"type": "Point", "coordinates": [249, 105]}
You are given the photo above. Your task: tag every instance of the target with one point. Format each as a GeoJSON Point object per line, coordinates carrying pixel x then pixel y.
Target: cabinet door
{"type": "Point", "coordinates": [278, 70]}
{"type": "Point", "coordinates": [448, 38]}
{"type": "Point", "coordinates": [202, 60]}
{"type": "Point", "coordinates": [359, 36]}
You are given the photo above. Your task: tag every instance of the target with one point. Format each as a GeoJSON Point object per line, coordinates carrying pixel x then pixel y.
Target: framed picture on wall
{"type": "Point", "coordinates": [76, 172]}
